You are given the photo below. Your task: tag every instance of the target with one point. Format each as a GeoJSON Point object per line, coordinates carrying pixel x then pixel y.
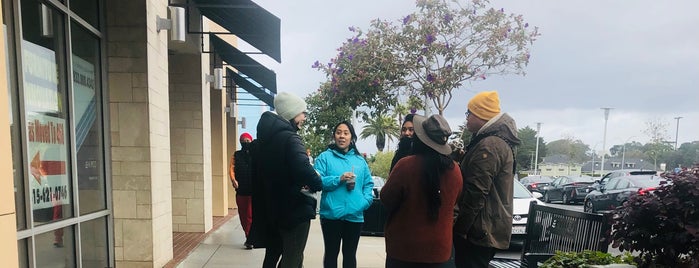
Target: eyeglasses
{"type": "Point", "coordinates": [467, 113]}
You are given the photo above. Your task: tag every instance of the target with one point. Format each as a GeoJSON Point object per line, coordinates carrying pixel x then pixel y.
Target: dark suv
{"type": "Point", "coordinates": [620, 173]}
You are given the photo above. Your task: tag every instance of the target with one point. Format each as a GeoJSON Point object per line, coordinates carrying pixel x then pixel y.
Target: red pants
{"type": "Point", "coordinates": [245, 212]}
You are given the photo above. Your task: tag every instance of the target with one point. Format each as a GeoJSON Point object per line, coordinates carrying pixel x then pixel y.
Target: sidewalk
{"type": "Point", "coordinates": [224, 248]}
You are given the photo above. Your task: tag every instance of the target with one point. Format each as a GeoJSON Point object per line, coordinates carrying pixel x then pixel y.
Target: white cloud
{"type": "Point", "coordinates": [640, 57]}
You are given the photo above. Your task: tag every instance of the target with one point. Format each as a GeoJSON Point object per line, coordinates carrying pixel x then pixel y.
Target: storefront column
{"type": "Point", "coordinates": [8, 226]}
{"type": "Point", "coordinates": [191, 142]}
{"type": "Point", "coordinates": [220, 180]}
{"type": "Point", "coordinates": [232, 140]}
{"type": "Point", "coordinates": [140, 132]}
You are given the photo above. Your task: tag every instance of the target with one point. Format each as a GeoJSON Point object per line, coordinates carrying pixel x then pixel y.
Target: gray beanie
{"type": "Point", "coordinates": [289, 105]}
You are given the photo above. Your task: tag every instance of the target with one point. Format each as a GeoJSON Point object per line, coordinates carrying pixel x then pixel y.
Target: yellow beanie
{"type": "Point", "coordinates": [485, 105]}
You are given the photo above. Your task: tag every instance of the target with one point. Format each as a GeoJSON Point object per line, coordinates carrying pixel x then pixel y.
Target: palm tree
{"type": "Point", "coordinates": [382, 127]}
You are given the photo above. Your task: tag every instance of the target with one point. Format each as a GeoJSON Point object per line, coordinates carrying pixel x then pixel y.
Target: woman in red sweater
{"type": "Point", "coordinates": [419, 196]}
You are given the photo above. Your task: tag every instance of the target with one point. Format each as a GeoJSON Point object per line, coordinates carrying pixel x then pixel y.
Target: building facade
{"type": "Point", "coordinates": [119, 124]}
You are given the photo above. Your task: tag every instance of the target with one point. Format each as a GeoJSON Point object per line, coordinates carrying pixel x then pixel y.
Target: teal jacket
{"type": "Point", "coordinates": [336, 202]}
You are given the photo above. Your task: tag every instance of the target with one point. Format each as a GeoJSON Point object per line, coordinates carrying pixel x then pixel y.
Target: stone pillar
{"type": "Point", "coordinates": [232, 128]}
{"type": "Point", "coordinates": [191, 142]}
{"type": "Point", "coordinates": [8, 226]}
{"type": "Point", "coordinates": [137, 65]}
{"type": "Point", "coordinates": [220, 180]}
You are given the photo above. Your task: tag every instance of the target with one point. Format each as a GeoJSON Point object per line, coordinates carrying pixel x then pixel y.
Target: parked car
{"type": "Point", "coordinates": [534, 183]}
{"type": "Point", "coordinates": [619, 173]}
{"type": "Point", "coordinates": [618, 190]}
{"type": "Point", "coordinates": [568, 189]}
{"type": "Point", "coordinates": [520, 211]}
{"type": "Point", "coordinates": [378, 183]}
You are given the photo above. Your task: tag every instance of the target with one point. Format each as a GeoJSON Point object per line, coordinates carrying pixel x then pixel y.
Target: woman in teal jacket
{"type": "Point", "coordinates": [347, 192]}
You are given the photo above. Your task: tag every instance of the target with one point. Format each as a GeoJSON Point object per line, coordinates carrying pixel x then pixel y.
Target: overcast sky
{"type": "Point", "coordinates": [639, 57]}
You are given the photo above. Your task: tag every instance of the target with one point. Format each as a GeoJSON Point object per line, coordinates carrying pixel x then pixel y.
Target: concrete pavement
{"type": "Point", "coordinates": [224, 248]}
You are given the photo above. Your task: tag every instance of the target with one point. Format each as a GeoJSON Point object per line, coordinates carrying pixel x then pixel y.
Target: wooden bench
{"type": "Point", "coordinates": [551, 229]}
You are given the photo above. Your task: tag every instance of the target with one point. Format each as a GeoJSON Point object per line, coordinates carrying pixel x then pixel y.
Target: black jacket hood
{"type": "Point", "coordinates": [270, 124]}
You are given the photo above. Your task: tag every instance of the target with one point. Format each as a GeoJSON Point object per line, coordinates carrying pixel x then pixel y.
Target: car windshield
{"type": "Point", "coordinates": [583, 179]}
{"type": "Point", "coordinates": [520, 191]}
{"type": "Point", "coordinates": [643, 172]}
{"type": "Point", "coordinates": [646, 182]}
{"type": "Point", "coordinates": [539, 180]}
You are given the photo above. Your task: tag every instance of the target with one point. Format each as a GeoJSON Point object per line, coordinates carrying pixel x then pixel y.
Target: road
{"type": "Point", "coordinates": [515, 252]}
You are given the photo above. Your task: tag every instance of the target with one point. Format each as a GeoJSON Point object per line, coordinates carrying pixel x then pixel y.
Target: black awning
{"type": "Point", "coordinates": [248, 21]}
{"type": "Point", "coordinates": [250, 87]}
{"type": "Point", "coordinates": [244, 64]}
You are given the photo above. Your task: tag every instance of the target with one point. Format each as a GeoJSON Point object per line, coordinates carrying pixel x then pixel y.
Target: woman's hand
{"type": "Point", "coordinates": [347, 176]}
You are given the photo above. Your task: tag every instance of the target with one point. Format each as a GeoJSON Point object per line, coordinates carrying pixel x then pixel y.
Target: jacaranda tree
{"type": "Point", "coordinates": [428, 53]}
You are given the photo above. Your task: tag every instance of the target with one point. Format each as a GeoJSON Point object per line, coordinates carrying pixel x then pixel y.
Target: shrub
{"type": "Point", "coordinates": [663, 226]}
{"type": "Point", "coordinates": [584, 259]}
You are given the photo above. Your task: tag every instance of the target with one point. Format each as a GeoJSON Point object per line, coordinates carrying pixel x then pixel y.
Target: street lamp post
{"type": "Point", "coordinates": [536, 158]}
{"type": "Point", "coordinates": [623, 151]}
{"type": "Point", "coordinates": [677, 131]}
{"type": "Point", "coordinates": [604, 140]}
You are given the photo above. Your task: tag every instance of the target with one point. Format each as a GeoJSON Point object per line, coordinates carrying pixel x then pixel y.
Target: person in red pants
{"type": "Point", "coordinates": [241, 176]}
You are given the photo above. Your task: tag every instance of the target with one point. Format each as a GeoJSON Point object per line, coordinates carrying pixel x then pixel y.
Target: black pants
{"type": "Point", "coordinates": [334, 232]}
{"type": "Point", "coordinates": [468, 255]}
{"type": "Point", "coordinates": [289, 244]}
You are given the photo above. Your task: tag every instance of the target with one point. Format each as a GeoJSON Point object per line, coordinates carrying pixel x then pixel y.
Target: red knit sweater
{"type": "Point", "coordinates": [410, 234]}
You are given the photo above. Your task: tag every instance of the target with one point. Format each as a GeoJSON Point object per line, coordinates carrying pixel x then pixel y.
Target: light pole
{"type": "Point", "coordinates": [677, 131]}
{"type": "Point", "coordinates": [604, 140]}
{"type": "Point", "coordinates": [623, 151]}
{"type": "Point", "coordinates": [536, 158]}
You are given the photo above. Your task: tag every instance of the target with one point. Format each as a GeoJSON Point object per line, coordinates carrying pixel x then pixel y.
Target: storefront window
{"type": "Point", "coordinates": [23, 253]}
{"type": "Point", "coordinates": [93, 241]}
{"type": "Point", "coordinates": [17, 173]}
{"type": "Point", "coordinates": [55, 248]}
{"type": "Point", "coordinates": [86, 114]}
{"type": "Point", "coordinates": [45, 111]}
{"type": "Point", "coordinates": [87, 10]}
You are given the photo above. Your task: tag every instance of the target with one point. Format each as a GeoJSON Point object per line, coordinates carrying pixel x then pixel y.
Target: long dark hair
{"type": "Point", "coordinates": [353, 139]}
{"type": "Point", "coordinates": [435, 165]}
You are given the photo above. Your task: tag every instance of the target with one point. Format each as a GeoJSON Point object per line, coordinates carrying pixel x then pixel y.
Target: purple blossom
{"type": "Point", "coordinates": [526, 25]}
{"type": "Point", "coordinates": [330, 65]}
{"type": "Point", "coordinates": [350, 57]}
{"type": "Point", "coordinates": [413, 110]}
{"type": "Point", "coordinates": [316, 65]}
{"type": "Point", "coordinates": [429, 39]}
{"type": "Point", "coordinates": [424, 50]}
{"type": "Point", "coordinates": [351, 29]}
{"type": "Point", "coordinates": [355, 40]}
{"type": "Point", "coordinates": [430, 78]}
{"type": "Point", "coordinates": [447, 18]}
{"type": "Point", "coordinates": [446, 45]}
{"type": "Point", "coordinates": [406, 20]}
{"type": "Point", "coordinates": [419, 59]}
{"type": "Point", "coordinates": [339, 70]}
{"type": "Point", "coordinates": [502, 10]}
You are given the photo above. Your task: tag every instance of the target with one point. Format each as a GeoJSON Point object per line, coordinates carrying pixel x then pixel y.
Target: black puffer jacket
{"type": "Point", "coordinates": [282, 169]}
{"type": "Point", "coordinates": [243, 171]}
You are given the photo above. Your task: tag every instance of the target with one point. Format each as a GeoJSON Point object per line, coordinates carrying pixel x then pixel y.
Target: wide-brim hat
{"type": "Point", "coordinates": [433, 131]}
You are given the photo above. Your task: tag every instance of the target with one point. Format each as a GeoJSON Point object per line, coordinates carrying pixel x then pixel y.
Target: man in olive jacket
{"type": "Point", "coordinates": [282, 211]}
{"type": "Point", "coordinates": [483, 215]}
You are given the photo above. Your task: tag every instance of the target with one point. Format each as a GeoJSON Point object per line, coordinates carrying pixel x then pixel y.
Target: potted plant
{"type": "Point", "coordinates": [588, 258]}
{"type": "Point", "coordinates": [662, 227]}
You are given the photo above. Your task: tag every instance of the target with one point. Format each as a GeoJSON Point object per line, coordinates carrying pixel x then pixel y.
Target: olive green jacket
{"type": "Point", "coordinates": [483, 214]}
